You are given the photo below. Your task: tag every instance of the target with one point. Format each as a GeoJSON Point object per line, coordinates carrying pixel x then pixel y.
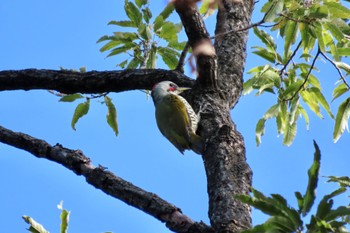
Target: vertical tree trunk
{"type": "Point", "coordinates": [224, 158]}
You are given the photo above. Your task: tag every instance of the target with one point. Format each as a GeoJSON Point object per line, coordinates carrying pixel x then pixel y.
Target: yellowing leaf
{"type": "Point", "coordinates": [341, 120]}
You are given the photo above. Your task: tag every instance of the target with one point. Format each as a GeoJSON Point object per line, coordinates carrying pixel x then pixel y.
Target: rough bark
{"type": "Point", "coordinates": [106, 181]}
{"type": "Point", "coordinates": [218, 88]}
{"type": "Point", "coordinates": [69, 82]}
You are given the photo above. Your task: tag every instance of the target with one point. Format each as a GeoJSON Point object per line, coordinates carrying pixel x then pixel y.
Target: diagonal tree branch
{"type": "Point", "coordinates": [106, 181]}
{"type": "Point", "coordinates": [89, 82]}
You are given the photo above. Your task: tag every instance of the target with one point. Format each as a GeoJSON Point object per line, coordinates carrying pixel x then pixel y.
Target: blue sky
{"type": "Point", "coordinates": [52, 34]}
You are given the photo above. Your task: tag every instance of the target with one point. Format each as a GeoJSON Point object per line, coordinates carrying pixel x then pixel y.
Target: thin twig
{"type": "Point", "coordinates": [290, 58]}
{"type": "Point", "coordinates": [307, 76]}
{"type": "Point", "coordinates": [337, 68]}
{"type": "Point", "coordinates": [259, 23]}
{"type": "Point", "coordinates": [294, 20]}
{"type": "Point", "coordinates": [180, 64]}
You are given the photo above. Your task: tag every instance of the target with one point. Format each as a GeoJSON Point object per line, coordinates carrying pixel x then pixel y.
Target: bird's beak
{"type": "Point", "coordinates": [181, 89]}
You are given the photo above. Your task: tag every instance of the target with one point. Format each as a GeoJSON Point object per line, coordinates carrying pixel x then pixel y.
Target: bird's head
{"type": "Point", "coordinates": [164, 88]}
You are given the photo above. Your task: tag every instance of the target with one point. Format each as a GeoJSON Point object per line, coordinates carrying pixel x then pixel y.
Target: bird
{"type": "Point", "coordinates": [175, 117]}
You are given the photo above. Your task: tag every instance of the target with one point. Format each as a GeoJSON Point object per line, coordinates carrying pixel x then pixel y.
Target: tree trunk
{"type": "Point", "coordinates": [219, 86]}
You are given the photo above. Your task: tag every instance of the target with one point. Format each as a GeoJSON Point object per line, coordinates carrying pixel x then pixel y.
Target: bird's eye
{"type": "Point", "coordinates": [172, 87]}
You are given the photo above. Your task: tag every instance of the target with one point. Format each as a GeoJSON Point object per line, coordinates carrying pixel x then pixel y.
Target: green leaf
{"type": "Point", "coordinates": [122, 64]}
{"type": "Point", "coordinates": [319, 35]}
{"type": "Point", "coordinates": [343, 66]}
{"type": "Point", "coordinates": [292, 89]}
{"type": "Point", "coordinates": [248, 86]}
{"type": "Point", "coordinates": [335, 30]}
{"type": "Point", "coordinates": [140, 3]}
{"type": "Point", "coordinates": [122, 49]}
{"type": "Point", "coordinates": [289, 134]}
{"type": "Point", "coordinates": [168, 31]}
{"type": "Point", "coordinates": [158, 23]}
{"type": "Point", "coordinates": [343, 181]}
{"type": "Point", "coordinates": [305, 115]}
{"type": "Point", "coordinates": [272, 112]}
{"type": "Point", "coordinates": [259, 130]}
{"type": "Point", "coordinates": [341, 120]}
{"type": "Point", "coordinates": [337, 10]}
{"type": "Point", "coordinates": [313, 171]}
{"type": "Point", "coordinates": [64, 219]}
{"type": "Point", "coordinates": [152, 59]}
{"type": "Point", "coordinates": [35, 227]}
{"type": "Point", "coordinates": [325, 205]}
{"type": "Point", "coordinates": [266, 38]}
{"type": "Point", "coordinates": [344, 51]}
{"type": "Point", "coordinates": [147, 14]}
{"type": "Point", "coordinates": [145, 32]}
{"type": "Point", "coordinates": [291, 34]}
{"type": "Point", "coordinates": [134, 63]}
{"type": "Point", "coordinates": [133, 12]}
{"type": "Point", "coordinates": [111, 115]}
{"type": "Point", "coordinates": [341, 211]}
{"type": "Point", "coordinates": [300, 200]}
{"type": "Point", "coordinates": [167, 11]}
{"type": "Point", "coordinates": [123, 23]}
{"type": "Point", "coordinates": [177, 45]}
{"type": "Point", "coordinates": [264, 53]}
{"type": "Point", "coordinates": [207, 8]}
{"type": "Point", "coordinates": [169, 56]}
{"type": "Point", "coordinates": [81, 110]}
{"type": "Point", "coordinates": [308, 98]}
{"type": "Point", "coordinates": [71, 98]}
{"type": "Point", "coordinates": [272, 10]}
{"type": "Point", "coordinates": [339, 90]}
{"type": "Point", "coordinates": [318, 96]}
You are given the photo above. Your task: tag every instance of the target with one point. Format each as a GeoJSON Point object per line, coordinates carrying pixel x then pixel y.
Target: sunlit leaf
{"type": "Point", "coordinates": [123, 23]}
{"type": "Point", "coordinates": [343, 181]}
{"type": "Point", "coordinates": [167, 11]}
{"type": "Point", "coordinates": [272, 9]}
{"type": "Point", "coordinates": [140, 3]}
{"type": "Point", "coordinates": [305, 115]}
{"type": "Point", "coordinates": [339, 90]}
{"type": "Point", "coordinates": [337, 10]}
{"type": "Point", "coordinates": [343, 66]}
{"type": "Point", "coordinates": [318, 96]}
{"type": "Point", "coordinates": [272, 112]}
{"type": "Point", "coordinates": [64, 221]}
{"type": "Point", "coordinates": [133, 12]}
{"type": "Point", "coordinates": [289, 134]}
{"type": "Point", "coordinates": [291, 34]}
{"type": "Point", "coordinates": [35, 227]}
{"type": "Point", "coordinates": [147, 14]}
{"type": "Point", "coordinates": [71, 98]}
{"type": "Point", "coordinates": [266, 38]}
{"type": "Point", "coordinates": [259, 130]}
{"type": "Point", "coordinates": [81, 110]}
{"type": "Point", "coordinates": [341, 120]}
{"type": "Point", "coordinates": [111, 115]}
{"type": "Point", "coordinates": [309, 99]}
{"type": "Point", "coordinates": [122, 49]}
{"type": "Point", "coordinates": [169, 56]}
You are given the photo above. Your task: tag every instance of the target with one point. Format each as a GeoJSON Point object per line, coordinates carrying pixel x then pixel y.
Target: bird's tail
{"type": "Point", "coordinates": [196, 143]}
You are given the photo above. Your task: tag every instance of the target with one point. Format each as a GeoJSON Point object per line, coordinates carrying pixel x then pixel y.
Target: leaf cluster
{"type": "Point", "coordinates": [36, 227]}
{"type": "Point", "coordinates": [309, 30]}
{"type": "Point", "coordinates": [142, 36]}
{"type": "Point", "coordinates": [286, 219]}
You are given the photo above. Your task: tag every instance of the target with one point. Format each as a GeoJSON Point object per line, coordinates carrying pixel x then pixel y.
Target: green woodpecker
{"type": "Point", "coordinates": [175, 117]}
